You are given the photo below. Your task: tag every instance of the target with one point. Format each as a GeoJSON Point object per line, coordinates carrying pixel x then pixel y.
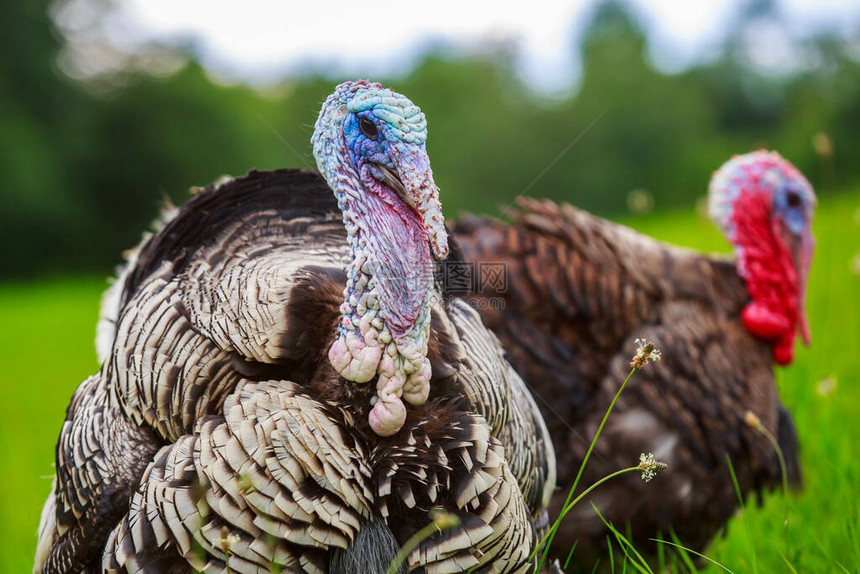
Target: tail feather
{"type": "Point", "coordinates": [112, 298]}
{"type": "Point", "coordinates": [47, 529]}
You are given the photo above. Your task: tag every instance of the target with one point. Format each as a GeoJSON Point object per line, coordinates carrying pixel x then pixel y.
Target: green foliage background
{"type": "Point", "coordinates": [86, 164]}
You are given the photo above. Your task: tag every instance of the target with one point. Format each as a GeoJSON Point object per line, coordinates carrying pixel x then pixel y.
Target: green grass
{"type": "Point", "coordinates": [46, 350]}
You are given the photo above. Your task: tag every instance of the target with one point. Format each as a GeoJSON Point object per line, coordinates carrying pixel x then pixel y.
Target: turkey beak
{"type": "Point", "coordinates": [412, 179]}
{"type": "Point", "coordinates": [392, 179]}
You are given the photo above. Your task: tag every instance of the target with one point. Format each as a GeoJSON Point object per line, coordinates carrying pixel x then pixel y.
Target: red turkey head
{"type": "Point", "coordinates": [764, 205]}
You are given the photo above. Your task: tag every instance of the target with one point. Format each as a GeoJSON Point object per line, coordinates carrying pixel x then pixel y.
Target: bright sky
{"type": "Point", "coordinates": [258, 40]}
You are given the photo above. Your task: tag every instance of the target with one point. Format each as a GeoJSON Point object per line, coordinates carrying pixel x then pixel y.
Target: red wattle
{"type": "Point", "coordinates": [767, 265]}
{"type": "Point", "coordinates": [764, 323]}
{"type": "Point", "coordinates": [783, 350]}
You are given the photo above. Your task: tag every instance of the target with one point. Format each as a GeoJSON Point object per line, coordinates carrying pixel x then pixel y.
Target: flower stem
{"type": "Point", "coordinates": [567, 503]}
{"type": "Point", "coordinates": [582, 495]}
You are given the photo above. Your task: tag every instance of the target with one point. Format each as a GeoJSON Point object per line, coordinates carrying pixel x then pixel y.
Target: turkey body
{"type": "Point", "coordinates": [218, 436]}
{"type": "Point", "coordinates": [579, 290]}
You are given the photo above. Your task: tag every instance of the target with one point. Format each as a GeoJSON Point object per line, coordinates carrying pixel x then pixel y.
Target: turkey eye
{"type": "Point", "coordinates": [368, 128]}
{"type": "Point", "coordinates": [793, 199]}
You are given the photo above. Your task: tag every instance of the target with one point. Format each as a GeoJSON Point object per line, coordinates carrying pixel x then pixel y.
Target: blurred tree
{"type": "Point", "coordinates": [747, 97]}
{"type": "Point", "coordinates": [39, 204]}
{"type": "Point", "coordinates": [156, 138]}
{"type": "Point", "coordinates": [481, 128]}
{"type": "Point", "coordinates": [88, 161]}
{"type": "Point", "coordinates": [654, 130]}
{"type": "Point", "coordinates": [821, 122]}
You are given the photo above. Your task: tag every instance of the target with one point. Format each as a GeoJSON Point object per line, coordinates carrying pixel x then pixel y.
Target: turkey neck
{"type": "Point", "coordinates": [391, 275]}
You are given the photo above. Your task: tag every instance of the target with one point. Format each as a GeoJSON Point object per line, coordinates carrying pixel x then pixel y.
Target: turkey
{"type": "Point", "coordinates": [284, 386]}
{"type": "Point", "coordinates": [580, 290]}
